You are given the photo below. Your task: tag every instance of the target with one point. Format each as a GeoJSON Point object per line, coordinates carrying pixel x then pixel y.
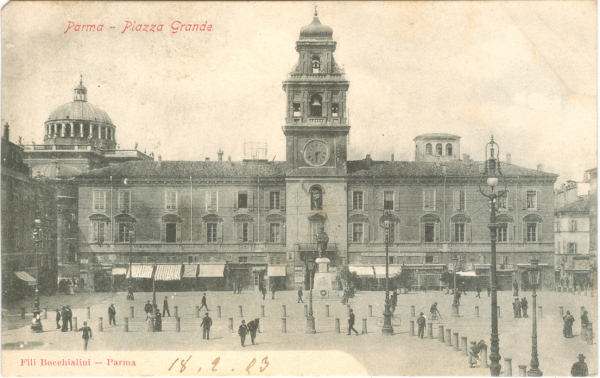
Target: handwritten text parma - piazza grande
{"type": "Point", "coordinates": [129, 26]}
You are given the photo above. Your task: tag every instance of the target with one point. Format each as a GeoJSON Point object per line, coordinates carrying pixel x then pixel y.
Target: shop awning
{"type": "Point", "coordinates": [168, 272]}
{"type": "Point", "coordinates": [211, 270]}
{"type": "Point", "coordinates": [141, 271]}
{"type": "Point", "coordinates": [119, 271]}
{"type": "Point", "coordinates": [393, 270]}
{"type": "Point", "coordinates": [276, 271]}
{"type": "Point", "coordinates": [25, 277]}
{"type": "Point", "coordinates": [362, 270]}
{"type": "Point", "coordinates": [469, 273]}
{"type": "Point", "coordinates": [190, 270]}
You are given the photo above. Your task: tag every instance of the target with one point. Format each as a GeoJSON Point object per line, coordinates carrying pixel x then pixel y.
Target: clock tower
{"type": "Point", "coordinates": [316, 130]}
{"type": "Point", "coordinates": [316, 122]}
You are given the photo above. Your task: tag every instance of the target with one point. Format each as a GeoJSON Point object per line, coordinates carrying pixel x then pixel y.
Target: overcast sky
{"type": "Point", "coordinates": [522, 71]}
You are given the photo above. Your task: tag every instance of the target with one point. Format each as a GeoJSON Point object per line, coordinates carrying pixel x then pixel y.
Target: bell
{"type": "Point", "coordinates": [316, 102]}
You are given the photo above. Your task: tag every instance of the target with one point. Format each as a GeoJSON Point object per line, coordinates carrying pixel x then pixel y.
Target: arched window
{"type": "Point", "coordinates": [428, 149]}
{"type": "Point", "coordinates": [438, 149]}
{"type": "Point", "coordinates": [316, 64]}
{"type": "Point", "coordinates": [430, 228]}
{"type": "Point", "coordinates": [316, 109]}
{"type": "Point", "coordinates": [316, 198]}
{"type": "Point", "coordinates": [449, 149]}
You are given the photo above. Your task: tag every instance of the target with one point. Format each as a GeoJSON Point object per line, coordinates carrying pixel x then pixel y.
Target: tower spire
{"type": "Point", "coordinates": [316, 15]}
{"type": "Point", "coordinates": [80, 91]}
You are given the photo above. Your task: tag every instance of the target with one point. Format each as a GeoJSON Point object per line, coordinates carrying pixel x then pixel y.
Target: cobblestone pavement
{"type": "Point", "coordinates": [400, 354]}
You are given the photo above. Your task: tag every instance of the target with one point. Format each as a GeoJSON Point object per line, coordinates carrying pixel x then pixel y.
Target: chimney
{"type": "Point", "coordinates": [207, 159]}
{"type": "Point", "coordinates": [540, 167]}
{"type": "Point", "coordinates": [6, 132]}
{"type": "Point", "coordinates": [368, 160]}
{"type": "Point", "coordinates": [509, 158]}
{"type": "Point", "coordinates": [392, 158]}
{"type": "Point", "coordinates": [220, 154]}
{"type": "Point", "coordinates": [159, 160]}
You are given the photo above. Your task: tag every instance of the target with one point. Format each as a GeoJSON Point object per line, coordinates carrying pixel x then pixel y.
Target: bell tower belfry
{"type": "Point", "coordinates": [316, 122]}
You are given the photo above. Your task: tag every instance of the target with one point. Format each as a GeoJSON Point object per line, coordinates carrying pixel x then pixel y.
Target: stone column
{"type": "Point", "coordinates": [100, 326]}
{"type": "Point", "coordinates": [456, 345]}
{"type": "Point", "coordinates": [126, 324]}
{"type": "Point", "coordinates": [412, 327]}
{"type": "Point", "coordinates": [465, 346]}
{"type": "Point", "coordinates": [283, 325]}
{"type": "Point", "coordinates": [441, 333]}
{"type": "Point", "coordinates": [337, 325]}
{"type": "Point", "coordinates": [448, 337]}
{"type": "Point", "coordinates": [364, 326]}
{"type": "Point", "coordinates": [430, 330]}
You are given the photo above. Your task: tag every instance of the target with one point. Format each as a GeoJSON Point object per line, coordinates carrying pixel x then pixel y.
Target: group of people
{"type": "Point", "coordinates": [64, 315]}
{"type": "Point", "coordinates": [520, 308]}
{"type": "Point", "coordinates": [251, 328]}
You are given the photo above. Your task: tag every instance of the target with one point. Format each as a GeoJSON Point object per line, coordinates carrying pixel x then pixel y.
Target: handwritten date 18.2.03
{"type": "Point", "coordinates": [254, 366]}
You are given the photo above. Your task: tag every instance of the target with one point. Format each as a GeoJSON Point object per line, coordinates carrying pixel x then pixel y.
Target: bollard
{"type": "Point", "coordinates": [45, 313]}
{"type": "Point", "coordinates": [412, 327]}
{"type": "Point", "coordinates": [305, 310]}
{"type": "Point", "coordinates": [456, 346]}
{"type": "Point", "coordinates": [283, 325]}
{"type": "Point", "coordinates": [262, 310]}
{"type": "Point", "coordinates": [441, 333]}
{"type": "Point", "coordinates": [465, 347]}
{"type": "Point", "coordinates": [197, 311]}
{"type": "Point", "coordinates": [176, 311]}
{"type": "Point", "coordinates": [177, 323]}
{"type": "Point", "coordinates": [522, 370]}
{"type": "Point", "coordinates": [230, 324]}
{"type": "Point", "coordinates": [100, 327]}
{"type": "Point", "coordinates": [412, 311]}
{"type": "Point", "coordinates": [430, 330]}
{"type": "Point", "coordinates": [370, 311]}
{"type": "Point", "coordinates": [540, 311]}
{"type": "Point", "coordinates": [219, 311]}
{"type": "Point", "coordinates": [477, 311]}
{"type": "Point", "coordinates": [89, 313]}
{"type": "Point", "coordinates": [448, 337]}
{"type": "Point", "coordinates": [327, 310]}
{"type": "Point", "coordinates": [241, 311]}
{"type": "Point", "coordinates": [508, 367]}
{"type": "Point", "coordinates": [562, 311]}
{"type": "Point", "coordinates": [75, 328]}
{"type": "Point", "coordinates": [126, 324]}
{"type": "Point", "coordinates": [337, 325]}
{"type": "Point", "coordinates": [483, 358]}
{"type": "Point", "coordinates": [131, 311]}
{"type": "Point", "coordinates": [283, 311]}
{"type": "Point", "coordinates": [22, 312]}
{"type": "Point", "coordinates": [364, 327]}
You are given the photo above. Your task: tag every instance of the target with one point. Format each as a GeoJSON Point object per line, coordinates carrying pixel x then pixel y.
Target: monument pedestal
{"type": "Point", "coordinates": [323, 281]}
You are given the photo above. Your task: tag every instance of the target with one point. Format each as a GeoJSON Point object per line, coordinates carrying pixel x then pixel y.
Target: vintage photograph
{"type": "Point", "coordinates": [299, 188]}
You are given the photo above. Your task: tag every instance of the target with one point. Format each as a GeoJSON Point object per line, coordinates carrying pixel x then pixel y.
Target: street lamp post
{"type": "Point", "coordinates": [455, 263]}
{"type": "Point", "coordinates": [387, 313]}
{"type": "Point", "coordinates": [310, 319]}
{"type": "Point", "coordinates": [130, 284]}
{"type": "Point", "coordinates": [534, 279]}
{"type": "Point", "coordinates": [491, 175]}
{"type": "Point", "coordinates": [455, 311]}
{"type": "Point", "coordinates": [36, 324]}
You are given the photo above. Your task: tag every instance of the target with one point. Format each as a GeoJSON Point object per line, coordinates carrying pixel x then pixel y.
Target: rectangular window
{"type": "Point", "coordinates": [459, 200]}
{"type": "Point", "coordinates": [314, 230]}
{"type": "Point", "coordinates": [357, 200]}
{"type": "Point", "coordinates": [502, 232]}
{"type": "Point", "coordinates": [171, 232]}
{"type": "Point", "coordinates": [99, 200]}
{"type": "Point", "coordinates": [388, 200]}
{"type": "Point", "coordinates": [335, 110]}
{"type": "Point", "coordinates": [573, 225]}
{"type": "Point", "coordinates": [459, 232]}
{"type": "Point", "coordinates": [572, 247]}
{"type": "Point", "coordinates": [242, 259]}
{"type": "Point", "coordinates": [245, 232]}
{"type": "Point", "coordinates": [211, 232]}
{"type": "Point", "coordinates": [429, 232]}
{"type": "Point", "coordinates": [532, 232]}
{"type": "Point", "coordinates": [504, 260]}
{"type": "Point", "coordinates": [274, 199]}
{"type": "Point", "coordinates": [242, 200]}
{"type": "Point", "coordinates": [275, 233]}
{"type": "Point", "coordinates": [390, 232]}
{"type": "Point", "coordinates": [98, 232]}
{"type": "Point", "coordinates": [212, 200]}
{"type": "Point", "coordinates": [171, 200]}
{"type": "Point", "coordinates": [124, 229]}
{"type": "Point", "coordinates": [357, 232]}
{"type": "Point", "coordinates": [125, 201]}
{"type": "Point", "coordinates": [428, 259]}
{"type": "Point", "coordinates": [297, 112]}
{"type": "Point", "coordinates": [531, 199]}
{"type": "Point", "coordinates": [428, 200]}
{"type": "Point", "coordinates": [502, 202]}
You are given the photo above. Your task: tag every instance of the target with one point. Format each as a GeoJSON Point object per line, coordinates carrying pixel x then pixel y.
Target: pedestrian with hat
{"type": "Point", "coordinates": [580, 368]}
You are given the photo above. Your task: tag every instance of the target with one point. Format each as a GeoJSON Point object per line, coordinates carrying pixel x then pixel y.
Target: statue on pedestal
{"type": "Point", "coordinates": [322, 240]}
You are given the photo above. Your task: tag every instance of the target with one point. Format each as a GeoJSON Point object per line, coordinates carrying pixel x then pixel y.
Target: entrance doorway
{"type": "Point", "coordinates": [259, 280]}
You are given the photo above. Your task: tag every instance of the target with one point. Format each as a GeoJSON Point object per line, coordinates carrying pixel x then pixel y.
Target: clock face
{"type": "Point", "coordinates": [316, 152]}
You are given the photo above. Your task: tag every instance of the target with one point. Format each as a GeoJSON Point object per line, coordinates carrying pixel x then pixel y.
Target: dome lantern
{"type": "Point", "coordinates": [316, 30]}
{"type": "Point", "coordinates": [80, 91]}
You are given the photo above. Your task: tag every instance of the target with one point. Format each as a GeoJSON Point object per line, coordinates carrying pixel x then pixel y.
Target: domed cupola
{"type": "Point", "coordinates": [316, 30]}
{"type": "Point", "coordinates": [80, 123]}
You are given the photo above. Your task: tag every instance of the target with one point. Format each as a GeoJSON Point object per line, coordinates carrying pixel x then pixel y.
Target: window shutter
{"type": "Point", "coordinates": [397, 232]}
{"type": "Point", "coordinates": [217, 194]}
{"type": "Point", "coordinates": [350, 238]}
{"type": "Point", "coordinates": [178, 232]}
{"type": "Point", "coordinates": [436, 231]}
{"type": "Point", "coordinates": [282, 200]}
{"type": "Point", "coordinates": [374, 233]}
{"type": "Point", "coordinates": [433, 200]}
{"type": "Point", "coordinates": [456, 200]}
{"type": "Point", "coordinates": [464, 194]}
{"type": "Point", "coordinates": [524, 232]}
{"type": "Point", "coordinates": [524, 199]}
{"type": "Point", "coordinates": [251, 232]}
{"type": "Point", "coordinates": [423, 197]}
{"type": "Point", "coordinates": [251, 200]}
{"type": "Point", "coordinates": [204, 233]}
{"type": "Point", "coordinates": [383, 199]}
{"type": "Point", "coordinates": [422, 232]}
{"type": "Point", "coordinates": [220, 232]}
{"type": "Point", "coordinates": [165, 206]}
{"type": "Point", "coordinates": [366, 200]}
{"type": "Point", "coordinates": [267, 202]}
{"type": "Point", "coordinates": [206, 199]}
{"type": "Point", "coordinates": [539, 233]}
{"type": "Point", "coordinates": [537, 200]}
{"type": "Point", "coordinates": [238, 231]}
{"type": "Point", "coordinates": [235, 199]}
{"type": "Point", "coordinates": [396, 200]}
{"type": "Point", "coordinates": [468, 232]}
{"type": "Point", "coordinates": [163, 231]}
{"type": "Point", "coordinates": [366, 232]}
{"type": "Point", "coordinates": [283, 233]}
{"type": "Point", "coordinates": [263, 232]}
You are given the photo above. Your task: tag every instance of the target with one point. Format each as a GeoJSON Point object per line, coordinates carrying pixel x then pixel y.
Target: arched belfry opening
{"type": "Point", "coordinates": [316, 105]}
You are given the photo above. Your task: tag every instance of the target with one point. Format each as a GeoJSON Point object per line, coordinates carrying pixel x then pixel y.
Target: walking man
{"type": "Point", "coordinates": [86, 335]}
{"type": "Point", "coordinates": [148, 309]}
{"type": "Point", "coordinates": [112, 312]}
{"type": "Point", "coordinates": [434, 312]}
{"type": "Point", "coordinates": [478, 289]}
{"type": "Point", "coordinates": [203, 303]}
{"type": "Point", "coordinates": [57, 318]}
{"type": "Point", "coordinates": [394, 300]}
{"type": "Point", "coordinates": [69, 317]}
{"type": "Point", "coordinates": [351, 323]}
{"type": "Point", "coordinates": [157, 321]}
{"type": "Point", "coordinates": [421, 323]}
{"type": "Point", "coordinates": [263, 290]}
{"type": "Point", "coordinates": [580, 368]}
{"type": "Point", "coordinates": [584, 324]}
{"type": "Point", "coordinates": [252, 328]}
{"type": "Point", "coordinates": [273, 290]}
{"type": "Point", "coordinates": [524, 306]}
{"type": "Point", "coordinates": [242, 331]}
{"type": "Point", "coordinates": [489, 291]}
{"type": "Point", "coordinates": [206, 324]}
{"type": "Point", "coordinates": [515, 289]}
{"type": "Point", "coordinates": [568, 320]}
{"type": "Point", "coordinates": [299, 295]}
{"type": "Point", "coordinates": [166, 308]}
{"type": "Point", "coordinates": [63, 315]}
